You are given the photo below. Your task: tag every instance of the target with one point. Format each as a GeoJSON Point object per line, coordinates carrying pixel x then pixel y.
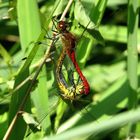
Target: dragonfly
{"type": "Point", "coordinates": [68, 41]}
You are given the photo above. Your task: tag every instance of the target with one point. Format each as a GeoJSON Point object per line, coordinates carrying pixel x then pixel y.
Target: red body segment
{"type": "Point", "coordinates": [84, 80]}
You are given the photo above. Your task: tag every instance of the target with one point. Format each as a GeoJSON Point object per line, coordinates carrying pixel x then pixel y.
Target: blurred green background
{"type": "Point", "coordinates": [107, 52]}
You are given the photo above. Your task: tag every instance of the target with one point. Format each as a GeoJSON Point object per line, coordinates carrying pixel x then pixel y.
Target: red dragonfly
{"type": "Point", "coordinates": [69, 41]}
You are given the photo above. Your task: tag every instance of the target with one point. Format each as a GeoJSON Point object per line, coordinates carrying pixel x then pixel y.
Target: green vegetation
{"type": "Point", "coordinates": [107, 50]}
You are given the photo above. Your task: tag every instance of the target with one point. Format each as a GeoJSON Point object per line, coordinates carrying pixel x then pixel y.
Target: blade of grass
{"type": "Point", "coordinates": [116, 33]}
{"type": "Point", "coordinates": [29, 22]}
{"type": "Point", "coordinates": [97, 14]}
{"type": "Point", "coordinates": [29, 28]}
{"type": "Point", "coordinates": [6, 56]}
{"type": "Point", "coordinates": [96, 128]}
{"type": "Point", "coordinates": [132, 58]}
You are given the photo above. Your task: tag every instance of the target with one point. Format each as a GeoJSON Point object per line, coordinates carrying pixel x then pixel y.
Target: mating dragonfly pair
{"type": "Point", "coordinates": [75, 90]}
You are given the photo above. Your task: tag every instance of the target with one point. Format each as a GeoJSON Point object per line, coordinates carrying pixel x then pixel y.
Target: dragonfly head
{"type": "Point", "coordinates": [62, 26]}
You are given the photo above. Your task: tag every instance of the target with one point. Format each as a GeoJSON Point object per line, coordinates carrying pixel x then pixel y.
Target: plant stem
{"type": "Point", "coordinates": [66, 10]}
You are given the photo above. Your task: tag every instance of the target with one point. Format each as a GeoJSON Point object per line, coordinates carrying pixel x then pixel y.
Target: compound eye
{"type": "Point", "coordinates": [62, 25]}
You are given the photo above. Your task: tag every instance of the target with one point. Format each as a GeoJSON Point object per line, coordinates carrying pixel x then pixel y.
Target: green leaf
{"type": "Point", "coordinates": [29, 22]}
{"type": "Point", "coordinates": [5, 54]}
{"type": "Point", "coordinates": [97, 14]}
{"type": "Point", "coordinates": [84, 19]}
{"type": "Point", "coordinates": [95, 128]}
{"type": "Point", "coordinates": [30, 120]}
